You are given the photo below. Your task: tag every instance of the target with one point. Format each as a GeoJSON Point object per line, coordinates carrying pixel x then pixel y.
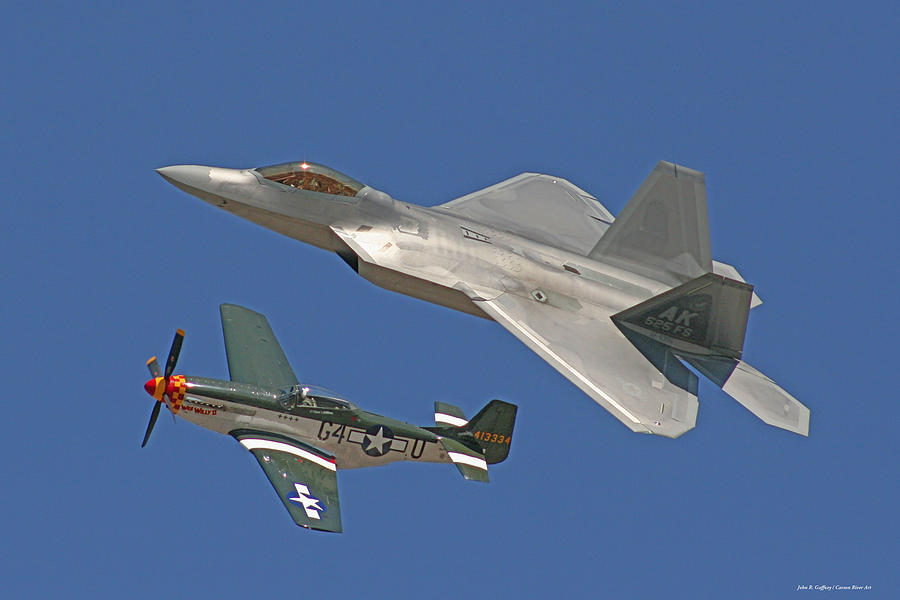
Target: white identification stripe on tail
{"type": "Point", "coordinates": [534, 338]}
{"type": "Point", "coordinates": [257, 444]}
{"type": "Point", "coordinates": [474, 461]}
{"type": "Point", "coordinates": [449, 420]}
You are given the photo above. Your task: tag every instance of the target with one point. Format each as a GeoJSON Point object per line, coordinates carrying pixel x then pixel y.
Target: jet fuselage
{"type": "Point", "coordinates": [422, 252]}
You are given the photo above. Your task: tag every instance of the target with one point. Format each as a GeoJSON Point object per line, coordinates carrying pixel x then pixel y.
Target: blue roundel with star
{"type": "Point", "coordinates": [377, 441]}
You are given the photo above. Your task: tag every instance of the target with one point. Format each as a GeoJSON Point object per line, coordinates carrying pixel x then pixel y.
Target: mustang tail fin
{"type": "Point", "coordinates": [703, 322]}
{"type": "Point", "coordinates": [492, 428]}
{"type": "Point", "coordinates": [482, 441]}
{"type": "Point", "coordinates": [663, 231]}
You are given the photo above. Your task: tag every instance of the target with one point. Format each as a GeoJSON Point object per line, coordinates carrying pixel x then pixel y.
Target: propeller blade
{"type": "Point", "coordinates": [171, 410]}
{"type": "Point", "coordinates": [155, 371]}
{"type": "Point", "coordinates": [153, 416]}
{"type": "Point", "coordinates": [170, 405]}
{"type": "Point", "coordinates": [173, 353]}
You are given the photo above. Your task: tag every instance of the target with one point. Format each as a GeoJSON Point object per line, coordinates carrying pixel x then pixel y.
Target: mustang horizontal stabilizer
{"type": "Point", "coordinates": [304, 477]}
{"type": "Point", "coordinates": [703, 322]}
{"type": "Point", "coordinates": [254, 354]}
{"type": "Point", "coordinates": [447, 414]}
{"type": "Point", "coordinates": [471, 463]}
{"type": "Point", "coordinates": [663, 231]}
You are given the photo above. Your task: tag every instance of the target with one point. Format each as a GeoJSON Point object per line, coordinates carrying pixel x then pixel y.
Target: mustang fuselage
{"type": "Point", "coordinates": [332, 424]}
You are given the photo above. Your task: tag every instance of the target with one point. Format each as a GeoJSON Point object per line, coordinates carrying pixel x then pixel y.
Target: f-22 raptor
{"type": "Point", "coordinates": [302, 434]}
{"type": "Point", "coordinates": [619, 306]}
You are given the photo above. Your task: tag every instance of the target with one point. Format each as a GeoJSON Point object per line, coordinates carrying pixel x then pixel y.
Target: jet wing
{"type": "Point", "coordinates": [539, 207]}
{"type": "Point", "coordinates": [304, 477]}
{"type": "Point", "coordinates": [588, 349]}
{"type": "Point", "coordinates": [254, 354]}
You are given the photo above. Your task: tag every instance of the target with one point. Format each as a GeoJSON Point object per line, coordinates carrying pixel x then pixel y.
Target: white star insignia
{"type": "Point", "coordinates": [310, 503]}
{"type": "Point", "coordinates": [378, 440]}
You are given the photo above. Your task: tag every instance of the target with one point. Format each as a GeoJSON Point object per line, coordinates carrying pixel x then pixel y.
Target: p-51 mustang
{"type": "Point", "coordinates": [302, 434]}
{"type": "Point", "coordinates": [619, 306]}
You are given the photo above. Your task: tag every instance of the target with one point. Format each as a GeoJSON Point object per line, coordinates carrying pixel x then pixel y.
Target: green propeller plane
{"type": "Point", "coordinates": [302, 434]}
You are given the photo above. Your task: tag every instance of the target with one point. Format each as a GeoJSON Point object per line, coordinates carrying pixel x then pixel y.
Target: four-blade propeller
{"type": "Point", "coordinates": [158, 386]}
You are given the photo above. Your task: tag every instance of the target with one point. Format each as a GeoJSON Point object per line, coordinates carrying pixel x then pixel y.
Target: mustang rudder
{"type": "Point", "coordinates": [492, 428]}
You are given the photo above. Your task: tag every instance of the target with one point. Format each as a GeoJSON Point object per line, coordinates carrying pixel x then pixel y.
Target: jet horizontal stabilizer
{"type": "Point", "coordinates": [766, 399]}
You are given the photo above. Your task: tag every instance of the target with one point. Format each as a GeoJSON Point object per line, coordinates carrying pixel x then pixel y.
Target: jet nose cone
{"type": "Point", "coordinates": [216, 185]}
{"type": "Point", "coordinates": [194, 176]}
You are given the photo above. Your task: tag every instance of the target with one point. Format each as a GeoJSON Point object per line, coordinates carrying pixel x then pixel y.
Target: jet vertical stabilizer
{"type": "Point", "coordinates": [703, 322]}
{"type": "Point", "coordinates": [663, 231]}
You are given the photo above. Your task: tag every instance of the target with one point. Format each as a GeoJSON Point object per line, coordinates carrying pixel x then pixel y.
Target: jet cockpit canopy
{"type": "Point", "coordinates": [312, 177]}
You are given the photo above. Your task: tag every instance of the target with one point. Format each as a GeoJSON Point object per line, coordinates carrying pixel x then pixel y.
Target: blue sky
{"type": "Point", "coordinates": [789, 110]}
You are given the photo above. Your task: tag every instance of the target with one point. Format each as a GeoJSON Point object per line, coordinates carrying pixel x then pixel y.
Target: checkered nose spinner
{"type": "Point", "coordinates": [163, 386]}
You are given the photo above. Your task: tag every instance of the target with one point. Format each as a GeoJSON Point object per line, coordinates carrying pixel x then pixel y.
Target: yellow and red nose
{"type": "Point", "coordinates": [156, 387]}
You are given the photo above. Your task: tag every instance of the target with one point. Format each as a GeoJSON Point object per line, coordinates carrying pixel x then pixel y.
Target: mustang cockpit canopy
{"type": "Point", "coordinates": [312, 177]}
{"type": "Point", "coordinates": [313, 396]}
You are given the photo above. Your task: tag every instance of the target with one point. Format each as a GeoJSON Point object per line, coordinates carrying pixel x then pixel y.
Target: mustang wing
{"type": "Point", "coordinates": [304, 477]}
{"type": "Point", "coordinates": [539, 207]}
{"type": "Point", "coordinates": [254, 354]}
{"type": "Point", "coordinates": [588, 349]}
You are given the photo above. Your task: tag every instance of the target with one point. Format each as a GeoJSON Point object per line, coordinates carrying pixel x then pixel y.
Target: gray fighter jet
{"type": "Point", "coordinates": [619, 306]}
